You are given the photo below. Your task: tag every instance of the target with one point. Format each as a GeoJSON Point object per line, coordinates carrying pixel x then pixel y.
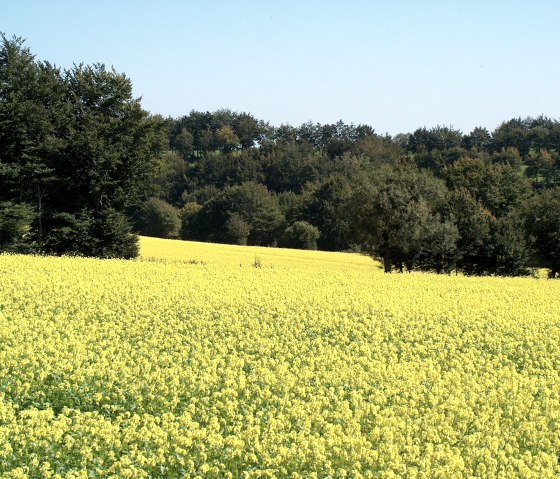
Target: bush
{"type": "Point", "coordinates": [300, 235]}
{"type": "Point", "coordinates": [15, 227]}
{"type": "Point", "coordinates": [160, 219]}
{"type": "Point", "coordinates": [190, 221]}
{"type": "Point", "coordinates": [107, 236]}
{"type": "Point", "coordinates": [251, 201]}
{"type": "Point", "coordinates": [112, 237]}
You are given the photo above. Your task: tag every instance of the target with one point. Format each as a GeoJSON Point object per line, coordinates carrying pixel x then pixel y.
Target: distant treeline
{"type": "Point", "coordinates": [82, 165]}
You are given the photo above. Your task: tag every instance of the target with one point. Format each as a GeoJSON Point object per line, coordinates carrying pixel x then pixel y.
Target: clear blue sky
{"type": "Point", "coordinates": [395, 65]}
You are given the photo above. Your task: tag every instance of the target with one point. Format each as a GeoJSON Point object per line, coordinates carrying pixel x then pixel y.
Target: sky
{"type": "Point", "coordinates": [394, 65]}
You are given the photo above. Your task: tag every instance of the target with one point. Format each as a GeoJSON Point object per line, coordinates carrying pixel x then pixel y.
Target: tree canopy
{"type": "Point", "coordinates": [76, 150]}
{"type": "Point", "coordinates": [83, 168]}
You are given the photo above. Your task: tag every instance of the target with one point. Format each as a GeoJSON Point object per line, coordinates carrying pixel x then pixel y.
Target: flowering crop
{"type": "Point", "coordinates": [193, 363]}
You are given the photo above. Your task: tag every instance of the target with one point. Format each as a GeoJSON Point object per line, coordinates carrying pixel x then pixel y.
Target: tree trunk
{"type": "Point", "coordinates": [387, 263]}
{"type": "Point", "coordinates": [39, 212]}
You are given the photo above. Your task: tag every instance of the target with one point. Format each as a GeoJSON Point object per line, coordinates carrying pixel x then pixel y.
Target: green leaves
{"type": "Point", "coordinates": [76, 148]}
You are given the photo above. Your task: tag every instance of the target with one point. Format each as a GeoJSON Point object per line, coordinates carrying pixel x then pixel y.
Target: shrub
{"type": "Point", "coordinates": [300, 235]}
{"type": "Point", "coordinates": [15, 227]}
{"type": "Point", "coordinates": [160, 219]}
{"type": "Point", "coordinates": [237, 229]}
{"type": "Point", "coordinates": [107, 236]}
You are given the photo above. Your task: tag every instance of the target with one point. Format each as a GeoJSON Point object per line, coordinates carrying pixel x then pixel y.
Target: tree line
{"type": "Point", "coordinates": [83, 169]}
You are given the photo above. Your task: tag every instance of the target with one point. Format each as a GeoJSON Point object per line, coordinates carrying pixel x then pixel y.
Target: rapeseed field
{"type": "Point", "coordinates": [215, 361]}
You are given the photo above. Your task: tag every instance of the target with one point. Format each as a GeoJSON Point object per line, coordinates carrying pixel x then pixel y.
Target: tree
{"type": "Point", "coordinates": [290, 205]}
{"type": "Point", "coordinates": [324, 204]}
{"type": "Point", "coordinates": [474, 224]}
{"type": "Point", "coordinates": [289, 167]}
{"type": "Point", "coordinates": [377, 150]}
{"type": "Point", "coordinates": [488, 244]}
{"type": "Point", "coordinates": [32, 119]}
{"type": "Point", "coordinates": [300, 235]}
{"type": "Point", "coordinates": [237, 229]}
{"type": "Point", "coordinates": [284, 134]}
{"type": "Point", "coordinates": [543, 168]}
{"type": "Point", "coordinates": [107, 235]}
{"type": "Point", "coordinates": [508, 156]}
{"type": "Point", "coordinates": [169, 178]}
{"type": "Point", "coordinates": [542, 223]}
{"type": "Point", "coordinates": [227, 169]}
{"type": "Point", "coordinates": [512, 133]}
{"type": "Point", "coordinates": [528, 134]}
{"type": "Point", "coordinates": [396, 213]}
{"type": "Point", "coordinates": [189, 215]}
{"type": "Point", "coordinates": [479, 139]}
{"type": "Point", "coordinates": [250, 201]}
{"type": "Point", "coordinates": [438, 251]}
{"type": "Point", "coordinates": [226, 139]}
{"type": "Point", "coordinates": [437, 160]}
{"type": "Point", "coordinates": [438, 138]}
{"type": "Point", "coordinates": [15, 227]}
{"type": "Point", "coordinates": [499, 187]}
{"type": "Point", "coordinates": [248, 130]}
{"type": "Point", "coordinates": [78, 147]}
{"type": "Point", "coordinates": [511, 250]}
{"type": "Point", "coordinates": [159, 219]}
{"type": "Point", "coordinates": [184, 143]}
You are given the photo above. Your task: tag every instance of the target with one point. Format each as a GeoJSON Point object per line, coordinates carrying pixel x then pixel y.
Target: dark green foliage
{"type": "Point", "coordinates": [16, 223]}
{"type": "Point", "coordinates": [438, 138]}
{"type": "Point", "coordinates": [474, 224]}
{"type": "Point", "coordinates": [169, 178]}
{"type": "Point", "coordinates": [77, 151]}
{"type": "Point", "coordinates": [160, 219]}
{"type": "Point", "coordinates": [190, 221]}
{"type": "Point", "coordinates": [437, 160]}
{"type": "Point", "coordinates": [479, 139]}
{"type": "Point", "coordinates": [508, 156]}
{"type": "Point", "coordinates": [76, 148]}
{"type": "Point", "coordinates": [488, 244]}
{"type": "Point", "coordinates": [291, 205]}
{"type": "Point", "coordinates": [399, 217]}
{"type": "Point", "coordinates": [542, 222]}
{"type": "Point", "coordinates": [290, 167]}
{"type": "Point", "coordinates": [510, 247]}
{"type": "Point", "coordinates": [227, 169]}
{"type": "Point", "coordinates": [528, 134]}
{"type": "Point", "coordinates": [499, 187]}
{"type": "Point", "coordinates": [198, 133]}
{"type": "Point", "coordinates": [112, 150]}
{"type": "Point", "coordinates": [252, 202]}
{"type": "Point", "coordinates": [112, 237]}
{"type": "Point", "coordinates": [326, 205]}
{"type": "Point", "coordinates": [377, 150]}
{"type": "Point", "coordinates": [512, 133]}
{"type": "Point", "coordinates": [300, 235]}
{"type": "Point", "coordinates": [106, 236]}
{"type": "Point", "coordinates": [201, 195]}
{"type": "Point", "coordinates": [438, 250]}
{"type": "Point", "coordinates": [184, 143]}
{"type": "Point", "coordinates": [33, 114]}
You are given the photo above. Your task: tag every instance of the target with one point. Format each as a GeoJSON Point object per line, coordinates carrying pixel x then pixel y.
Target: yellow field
{"type": "Point", "coordinates": [192, 362]}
